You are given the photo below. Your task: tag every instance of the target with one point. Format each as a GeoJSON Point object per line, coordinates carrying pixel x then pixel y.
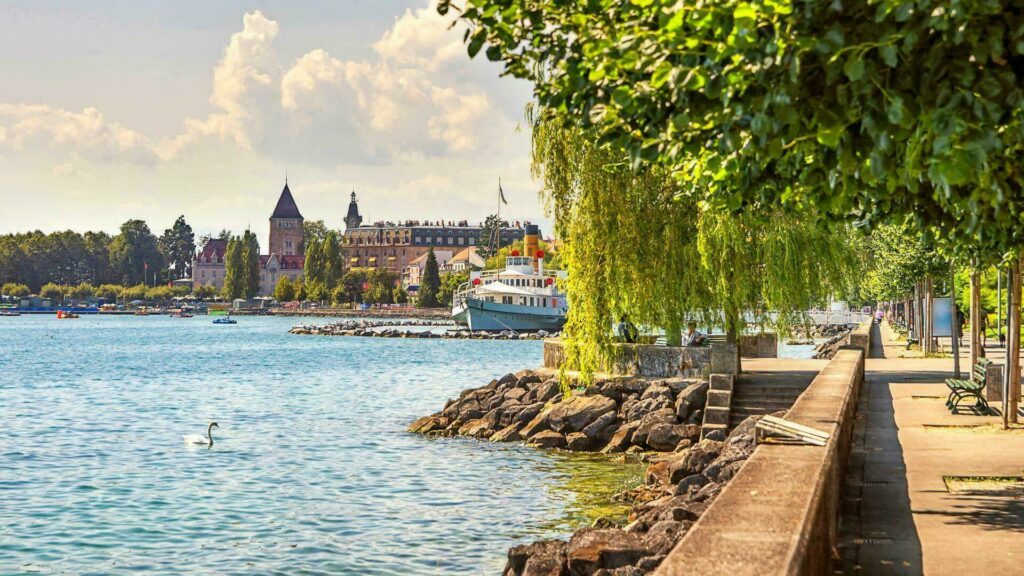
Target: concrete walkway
{"type": "Point", "coordinates": [898, 516]}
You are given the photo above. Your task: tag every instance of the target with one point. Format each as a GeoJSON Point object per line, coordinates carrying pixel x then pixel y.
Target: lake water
{"type": "Point", "coordinates": [311, 472]}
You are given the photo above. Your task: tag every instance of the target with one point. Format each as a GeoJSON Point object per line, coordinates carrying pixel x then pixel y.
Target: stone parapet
{"type": "Point", "coordinates": [764, 345]}
{"type": "Point", "coordinates": [653, 361]}
{"type": "Point", "coordinates": [779, 513]}
{"type": "Point", "coordinates": [861, 337]}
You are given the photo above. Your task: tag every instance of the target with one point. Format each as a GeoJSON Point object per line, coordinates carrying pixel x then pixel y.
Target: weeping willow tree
{"type": "Point", "coordinates": [636, 247]}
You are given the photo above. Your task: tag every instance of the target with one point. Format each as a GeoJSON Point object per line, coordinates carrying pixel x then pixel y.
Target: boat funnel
{"type": "Point", "coordinates": [532, 243]}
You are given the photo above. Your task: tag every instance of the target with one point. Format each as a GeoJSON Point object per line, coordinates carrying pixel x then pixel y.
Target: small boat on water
{"type": "Point", "coordinates": [522, 297]}
{"type": "Point", "coordinates": [62, 315]}
{"type": "Point", "coordinates": [9, 313]}
{"type": "Point", "coordinates": [181, 314]}
{"type": "Point", "coordinates": [225, 320]}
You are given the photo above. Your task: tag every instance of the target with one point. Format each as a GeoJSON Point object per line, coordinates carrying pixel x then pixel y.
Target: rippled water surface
{"type": "Point", "coordinates": [312, 471]}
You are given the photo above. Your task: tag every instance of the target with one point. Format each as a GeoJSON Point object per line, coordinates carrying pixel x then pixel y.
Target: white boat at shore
{"type": "Point", "coordinates": [521, 297]}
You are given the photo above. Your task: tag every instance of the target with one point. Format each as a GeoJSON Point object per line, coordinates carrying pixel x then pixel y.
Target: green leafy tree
{"type": "Point", "coordinates": [13, 290]}
{"type": "Point", "coordinates": [313, 230]}
{"type": "Point", "coordinates": [205, 292]}
{"type": "Point", "coordinates": [399, 295]}
{"type": "Point", "coordinates": [430, 283]}
{"type": "Point", "coordinates": [250, 281]}
{"type": "Point", "coordinates": [892, 111]}
{"type": "Point", "coordinates": [52, 292]}
{"type": "Point", "coordinates": [178, 246]}
{"type": "Point", "coordinates": [300, 290]}
{"type": "Point", "coordinates": [109, 292]}
{"type": "Point", "coordinates": [284, 291]}
{"type": "Point", "coordinates": [81, 292]}
{"type": "Point", "coordinates": [235, 269]}
{"type": "Point", "coordinates": [353, 281]}
{"type": "Point", "coordinates": [134, 254]}
{"type": "Point", "coordinates": [450, 283]}
{"type": "Point", "coordinates": [490, 237]}
{"type": "Point", "coordinates": [331, 260]}
{"type": "Point", "coordinates": [497, 262]}
{"type": "Point", "coordinates": [314, 265]}
{"type": "Point", "coordinates": [338, 295]}
{"type": "Point", "coordinates": [133, 293]}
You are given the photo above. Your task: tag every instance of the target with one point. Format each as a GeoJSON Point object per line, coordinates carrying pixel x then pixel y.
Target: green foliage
{"type": "Point", "coordinates": [205, 292]}
{"type": "Point", "coordinates": [64, 258]}
{"type": "Point", "coordinates": [895, 111]}
{"type": "Point", "coordinates": [399, 295]}
{"type": "Point", "coordinates": [338, 295]}
{"type": "Point", "coordinates": [635, 247]}
{"type": "Point", "coordinates": [430, 283]}
{"type": "Point", "coordinates": [13, 290]}
{"type": "Point", "coordinates": [81, 292]}
{"type": "Point", "coordinates": [450, 283]}
{"type": "Point", "coordinates": [108, 292]}
{"type": "Point", "coordinates": [899, 258]}
{"type": "Point", "coordinates": [300, 290]}
{"type": "Point", "coordinates": [132, 251]}
{"type": "Point", "coordinates": [381, 289]}
{"type": "Point", "coordinates": [162, 294]}
{"type": "Point", "coordinates": [250, 276]}
{"type": "Point", "coordinates": [313, 230]}
{"type": "Point", "coordinates": [136, 292]}
{"type": "Point", "coordinates": [490, 237]}
{"type": "Point", "coordinates": [52, 292]}
{"type": "Point", "coordinates": [235, 270]}
{"type": "Point", "coordinates": [332, 262]}
{"type": "Point", "coordinates": [353, 281]}
{"type": "Point", "coordinates": [284, 291]}
{"type": "Point", "coordinates": [316, 291]}
{"type": "Point", "coordinates": [178, 246]}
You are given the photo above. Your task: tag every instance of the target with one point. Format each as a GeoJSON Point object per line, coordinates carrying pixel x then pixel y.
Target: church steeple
{"type": "Point", "coordinates": [286, 234]}
{"type": "Point", "coordinates": [353, 219]}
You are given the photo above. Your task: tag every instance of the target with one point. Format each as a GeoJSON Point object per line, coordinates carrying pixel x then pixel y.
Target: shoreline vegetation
{"type": "Point", "coordinates": [658, 420]}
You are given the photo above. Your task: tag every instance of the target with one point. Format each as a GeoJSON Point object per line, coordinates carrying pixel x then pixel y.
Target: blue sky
{"type": "Point", "coordinates": [117, 110]}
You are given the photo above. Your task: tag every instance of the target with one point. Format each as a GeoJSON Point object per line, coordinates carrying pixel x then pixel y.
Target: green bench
{"type": "Point", "coordinates": [973, 388]}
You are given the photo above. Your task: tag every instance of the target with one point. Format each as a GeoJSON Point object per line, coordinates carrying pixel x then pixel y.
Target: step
{"type": "Point", "coordinates": [719, 398]}
{"type": "Point", "coordinates": [709, 427]}
{"type": "Point", "coordinates": [740, 403]}
{"type": "Point", "coordinates": [769, 390]}
{"type": "Point", "coordinates": [716, 415]}
{"type": "Point", "coordinates": [722, 382]}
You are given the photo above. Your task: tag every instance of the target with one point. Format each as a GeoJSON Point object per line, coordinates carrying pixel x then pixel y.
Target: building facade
{"type": "Point", "coordinates": [397, 245]}
{"type": "Point", "coordinates": [285, 246]}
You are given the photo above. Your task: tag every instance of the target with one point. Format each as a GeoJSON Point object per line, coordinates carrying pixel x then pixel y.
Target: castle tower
{"type": "Point", "coordinates": [353, 219]}
{"type": "Point", "coordinates": [286, 226]}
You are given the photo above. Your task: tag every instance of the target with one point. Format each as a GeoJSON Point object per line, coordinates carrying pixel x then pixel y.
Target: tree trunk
{"type": "Point", "coordinates": [732, 337]}
{"type": "Point", "coordinates": [976, 348]}
{"type": "Point", "coordinates": [1013, 345]}
{"type": "Point", "coordinates": [673, 333]}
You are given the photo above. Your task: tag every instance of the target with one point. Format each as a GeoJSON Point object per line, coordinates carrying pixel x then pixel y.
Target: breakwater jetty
{"type": "Point", "coordinates": [411, 328]}
{"type": "Point", "coordinates": [659, 419]}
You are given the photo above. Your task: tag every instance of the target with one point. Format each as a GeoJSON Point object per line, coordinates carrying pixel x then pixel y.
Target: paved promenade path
{"type": "Point", "coordinates": [898, 516]}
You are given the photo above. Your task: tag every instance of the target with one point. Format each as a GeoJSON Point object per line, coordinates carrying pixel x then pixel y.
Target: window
{"type": "Point", "coordinates": [214, 272]}
{"type": "Point", "coordinates": [439, 240]}
{"type": "Point", "coordinates": [462, 241]}
{"type": "Point", "coordinates": [472, 241]}
{"type": "Point", "coordinates": [289, 247]}
{"type": "Point", "coordinates": [451, 240]}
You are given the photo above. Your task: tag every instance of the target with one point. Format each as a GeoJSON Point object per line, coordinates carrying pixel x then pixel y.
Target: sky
{"type": "Point", "coordinates": [113, 110]}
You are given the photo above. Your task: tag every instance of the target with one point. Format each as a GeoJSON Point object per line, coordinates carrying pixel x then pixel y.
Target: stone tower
{"type": "Point", "coordinates": [353, 219]}
{"type": "Point", "coordinates": [286, 226]}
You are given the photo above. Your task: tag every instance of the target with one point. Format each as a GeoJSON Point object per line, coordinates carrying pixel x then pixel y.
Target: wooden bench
{"type": "Point", "coordinates": [973, 388]}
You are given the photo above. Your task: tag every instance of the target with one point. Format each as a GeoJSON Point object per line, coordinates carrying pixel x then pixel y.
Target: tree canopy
{"type": "Point", "coordinates": [896, 111]}
{"type": "Point", "coordinates": [430, 283]}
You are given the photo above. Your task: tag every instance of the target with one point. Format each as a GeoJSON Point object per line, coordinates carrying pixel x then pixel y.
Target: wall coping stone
{"type": "Point", "coordinates": [779, 514]}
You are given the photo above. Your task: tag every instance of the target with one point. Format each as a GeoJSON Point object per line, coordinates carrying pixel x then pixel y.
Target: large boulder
{"type": "Point", "coordinates": [665, 416]}
{"type": "Point", "coordinates": [691, 398]}
{"type": "Point", "coordinates": [427, 424]}
{"type": "Point", "coordinates": [544, 391]}
{"type": "Point", "coordinates": [579, 442]}
{"type": "Point", "coordinates": [477, 428]}
{"type": "Point", "coordinates": [597, 428]}
{"type": "Point", "coordinates": [530, 412]}
{"type": "Point", "coordinates": [591, 549]}
{"type": "Point", "coordinates": [622, 438]}
{"type": "Point", "coordinates": [575, 413]}
{"type": "Point", "coordinates": [543, 558]}
{"type": "Point", "coordinates": [641, 408]}
{"type": "Point", "coordinates": [509, 433]}
{"type": "Point", "coordinates": [693, 460]}
{"type": "Point", "coordinates": [666, 437]}
{"type": "Point", "coordinates": [663, 535]}
{"type": "Point", "coordinates": [548, 439]}
{"type": "Point", "coordinates": [657, 390]}
{"type": "Point", "coordinates": [539, 423]}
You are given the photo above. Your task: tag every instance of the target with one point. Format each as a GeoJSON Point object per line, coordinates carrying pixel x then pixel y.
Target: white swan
{"type": "Point", "coordinates": [206, 440]}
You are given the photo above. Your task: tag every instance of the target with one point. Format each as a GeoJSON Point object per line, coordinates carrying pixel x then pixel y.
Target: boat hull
{"type": "Point", "coordinates": [494, 316]}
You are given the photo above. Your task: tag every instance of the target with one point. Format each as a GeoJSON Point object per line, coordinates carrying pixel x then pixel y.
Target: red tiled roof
{"type": "Point", "coordinates": [286, 262]}
{"type": "Point", "coordinates": [214, 247]}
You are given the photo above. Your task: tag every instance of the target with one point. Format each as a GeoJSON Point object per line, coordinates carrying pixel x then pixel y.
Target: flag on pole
{"type": "Point", "coordinates": [145, 265]}
{"type": "Point", "coordinates": [501, 193]}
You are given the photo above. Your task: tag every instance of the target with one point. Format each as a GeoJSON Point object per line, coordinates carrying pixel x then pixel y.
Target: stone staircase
{"type": "Point", "coordinates": [718, 408]}
{"type": "Point", "coordinates": [760, 393]}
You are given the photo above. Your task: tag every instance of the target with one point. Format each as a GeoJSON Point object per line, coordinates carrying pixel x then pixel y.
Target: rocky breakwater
{"type": "Point", "coordinates": [618, 414]}
{"type": "Point", "coordinates": [387, 330]}
{"type": "Point", "coordinates": [838, 337]}
{"type": "Point", "coordinates": [659, 417]}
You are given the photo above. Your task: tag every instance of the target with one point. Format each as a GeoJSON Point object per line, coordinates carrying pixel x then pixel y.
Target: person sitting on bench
{"type": "Point", "coordinates": [692, 337]}
{"type": "Point", "coordinates": [627, 331]}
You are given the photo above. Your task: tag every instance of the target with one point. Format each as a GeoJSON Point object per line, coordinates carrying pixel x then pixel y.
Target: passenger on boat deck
{"type": "Point", "coordinates": [692, 336]}
{"type": "Point", "coordinates": [627, 331]}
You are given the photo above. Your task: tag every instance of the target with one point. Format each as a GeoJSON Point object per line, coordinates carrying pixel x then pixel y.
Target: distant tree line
{"type": "Point", "coordinates": [134, 256]}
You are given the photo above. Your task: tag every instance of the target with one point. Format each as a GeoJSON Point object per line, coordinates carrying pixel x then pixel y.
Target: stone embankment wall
{"type": "Point", "coordinates": [779, 513]}
{"type": "Point", "coordinates": [657, 417]}
{"type": "Point", "coordinates": [653, 361]}
{"type": "Point", "coordinates": [763, 345]}
{"type": "Point", "coordinates": [372, 313]}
